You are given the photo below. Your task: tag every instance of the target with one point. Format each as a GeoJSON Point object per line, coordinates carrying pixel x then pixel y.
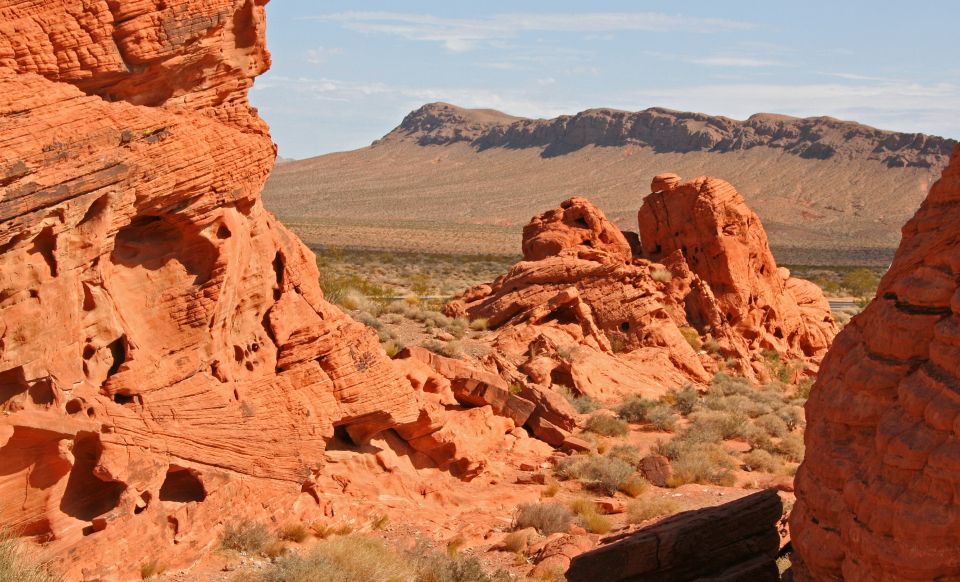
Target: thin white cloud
{"type": "Point", "coordinates": [321, 55]}
{"type": "Point", "coordinates": [733, 61]}
{"type": "Point", "coordinates": [461, 34]}
{"type": "Point", "coordinates": [856, 77]}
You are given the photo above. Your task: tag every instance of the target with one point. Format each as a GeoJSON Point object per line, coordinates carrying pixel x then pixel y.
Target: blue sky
{"type": "Point", "coordinates": [345, 73]}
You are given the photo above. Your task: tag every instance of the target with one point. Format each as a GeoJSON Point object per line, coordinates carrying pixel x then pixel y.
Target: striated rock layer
{"type": "Point", "coordinates": [167, 359]}
{"type": "Point", "coordinates": [878, 495]}
{"type": "Point", "coordinates": [589, 309]}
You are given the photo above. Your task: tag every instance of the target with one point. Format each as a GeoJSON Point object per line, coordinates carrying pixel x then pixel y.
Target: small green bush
{"type": "Point", "coordinates": [606, 425]}
{"type": "Point", "coordinates": [685, 400]}
{"type": "Point", "coordinates": [546, 518]}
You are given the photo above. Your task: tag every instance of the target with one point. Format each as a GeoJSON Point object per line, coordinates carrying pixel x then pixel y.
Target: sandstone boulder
{"type": "Point", "coordinates": [877, 491]}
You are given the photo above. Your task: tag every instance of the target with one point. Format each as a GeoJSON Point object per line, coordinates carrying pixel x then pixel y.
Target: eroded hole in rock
{"type": "Point", "coordinates": [118, 353]}
{"type": "Point", "coordinates": [581, 222]}
{"type": "Point", "coordinates": [88, 351]}
{"type": "Point", "coordinates": [74, 406]}
{"type": "Point", "coordinates": [182, 485]}
{"type": "Point", "coordinates": [143, 503]}
{"type": "Point", "coordinates": [563, 316]}
{"type": "Point", "coordinates": [341, 439]}
{"type": "Point", "coordinates": [561, 377]}
{"type": "Point", "coordinates": [223, 232]}
{"type": "Point", "coordinates": [41, 392]}
{"type": "Point", "coordinates": [152, 242]}
{"type": "Point", "coordinates": [86, 495]}
{"type": "Point", "coordinates": [12, 384]}
{"type": "Point", "coordinates": [96, 210]}
{"type": "Point", "coordinates": [45, 244]}
{"type": "Point", "coordinates": [122, 399]}
{"type": "Point", "coordinates": [625, 326]}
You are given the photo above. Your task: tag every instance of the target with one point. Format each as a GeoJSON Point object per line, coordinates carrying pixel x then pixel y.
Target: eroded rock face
{"type": "Point", "coordinates": [584, 310]}
{"type": "Point", "coordinates": [167, 359]}
{"type": "Point", "coordinates": [877, 495]}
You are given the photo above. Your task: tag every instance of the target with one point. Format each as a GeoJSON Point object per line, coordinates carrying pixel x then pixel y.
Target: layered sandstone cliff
{"type": "Point", "coordinates": [167, 359]}
{"type": "Point", "coordinates": [698, 293]}
{"type": "Point", "coordinates": [877, 495]}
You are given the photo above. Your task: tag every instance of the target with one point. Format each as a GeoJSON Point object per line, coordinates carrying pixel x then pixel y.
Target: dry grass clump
{"type": "Point", "coordinates": [343, 559]}
{"type": "Point", "coordinates": [516, 541]}
{"type": "Point", "coordinates": [661, 275]}
{"type": "Point", "coordinates": [16, 566]}
{"type": "Point", "coordinates": [274, 549]}
{"type": "Point", "coordinates": [606, 425]}
{"type": "Point", "coordinates": [696, 461]}
{"type": "Point", "coordinates": [550, 489]}
{"type": "Point", "coordinates": [245, 536]}
{"type": "Point", "coordinates": [546, 518]}
{"type": "Point", "coordinates": [590, 517]}
{"type": "Point", "coordinates": [634, 486]}
{"type": "Point", "coordinates": [480, 324]}
{"type": "Point", "coordinates": [603, 474]}
{"type": "Point", "coordinates": [582, 403]}
{"type": "Point", "coordinates": [760, 460]}
{"type": "Point", "coordinates": [791, 448]}
{"type": "Point", "coordinates": [649, 507]}
{"type": "Point", "coordinates": [692, 337]}
{"type": "Point", "coordinates": [148, 570]}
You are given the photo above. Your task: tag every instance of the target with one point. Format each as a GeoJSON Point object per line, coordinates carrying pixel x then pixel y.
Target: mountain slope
{"type": "Point", "coordinates": [461, 180]}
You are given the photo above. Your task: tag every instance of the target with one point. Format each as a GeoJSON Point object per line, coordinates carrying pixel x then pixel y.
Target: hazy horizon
{"type": "Point", "coordinates": [342, 78]}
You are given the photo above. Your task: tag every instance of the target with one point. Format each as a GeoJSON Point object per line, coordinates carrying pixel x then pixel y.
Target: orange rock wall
{"type": "Point", "coordinates": [167, 359]}
{"type": "Point", "coordinates": [878, 495]}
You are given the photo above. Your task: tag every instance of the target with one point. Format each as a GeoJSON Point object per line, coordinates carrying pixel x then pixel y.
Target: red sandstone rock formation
{"type": "Point", "coordinates": [734, 542]}
{"type": "Point", "coordinates": [583, 311]}
{"type": "Point", "coordinates": [167, 359]}
{"type": "Point", "coordinates": [877, 495]}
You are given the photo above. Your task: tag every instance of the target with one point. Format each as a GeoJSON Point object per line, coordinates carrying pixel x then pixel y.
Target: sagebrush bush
{"type": "Point", "coordinates": [727, 425]}
{"type": "Point", "coordinates": [649, 507]}
{"type": "Point", "coordinates": [606, 425]}
{"type": "Point", "coordinates": [790, 448]}
{"type": "Point", "coordinates": [793, 416]}
{"type": "Point", "coordinates": [760, 460]}
{"type": "Point", "coordinates": [773, 424]}
{"type": "Point", "coordinates": [582, 403]}
{"type": "Point", "coordinates": [603, 474]}
{"type": "Point", "coordinates": [15, 565]}
{"type": "Point", "coordinates": [684, 400]}
{"type": "Point", "coordinates": [294, 532]}
{"type": "Point", "coordinates": [662, 418]}
{"type": "Point", "coordinates": [245, 536]}
{"type": "Point", "coordinates": [629, 454]}
{"type": "Point", "coordinates": [634, 408]}
{"type": "Point", "coordinates": [546, 518]}
{"type": "Point", "coordinates": [698, 462]}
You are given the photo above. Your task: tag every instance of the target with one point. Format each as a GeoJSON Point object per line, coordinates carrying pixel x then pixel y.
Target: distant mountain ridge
{"type": "Point", "coordinates": [455, 180]}
{"type": "Point", "coordinates": [666, 130]}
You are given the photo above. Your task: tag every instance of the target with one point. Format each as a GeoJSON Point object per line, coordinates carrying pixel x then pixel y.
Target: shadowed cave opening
{"type": "Point", "coordinates": [87, 495]}
{"type": "Point", "coordinates": [182, 485]}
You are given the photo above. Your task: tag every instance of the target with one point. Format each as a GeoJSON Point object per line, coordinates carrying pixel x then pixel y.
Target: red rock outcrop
{"type": "Point", "coordinates": [878, 495]}
{"type": "Point", "coordinates": [167, 359]}
{"type": "Point", "coordinates": [734, 542]}
{"type": "Point", "coordinates": [585, 312]}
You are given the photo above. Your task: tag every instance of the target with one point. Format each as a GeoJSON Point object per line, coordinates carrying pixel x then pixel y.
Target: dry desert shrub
{"type": "Point", "coordinates": [649, 507]}
{"type": "Point", "coordinates": [149, 569]}
{"type": "Point", "coordinates": [342, 559]}
{"type": "Point", "coordinates": [760, 460]}
{"type": "Point", "coordinates": [589, 516]}
{"type": "Point", "coordinates": [546, 518]}
{"type": "Point", "coordinates": [16, 566]}
{"type": "Point", "coordinates": [692, 337]}
{"type": "Point", "coordinates": [634, 486]}
{"type": "Point", "coordinates": [684, 401]}
{"type": "Point", "coordinates": [582, 403]}
{"type": "Point", "coordinates": [606, 425]}
{"type": "Point", "coordinates": [790, 448]}
{"type": "Point", "coordinates": [773, 424]}
{"type": "Point", "coordinates": [516, 541]}
{"type": "Point", "coordinates": [629, 454]}
{"type": "Point", "coordinates": [294, 532]}
{"type": "Point", "coordinates": [603, 474]}
{"type": "Point", "coordinates": [244, 536]}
